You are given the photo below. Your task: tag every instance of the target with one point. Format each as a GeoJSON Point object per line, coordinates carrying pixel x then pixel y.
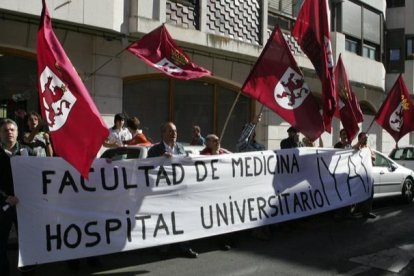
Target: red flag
{"type": "Point", "coordinates": [312, 32]}
{"type": "Point", "coordinates": [76, 127]}
{"type": "Point", "coordinates": [159, 50]}
{"type": "Point", "coordinates": [359, 116]}
{"type": "Point", "coordinates": [347, 108]}
{"type": "Point", "coordinates": [277, 82]}
{"type": "Point", "coordinates": [396, 114]}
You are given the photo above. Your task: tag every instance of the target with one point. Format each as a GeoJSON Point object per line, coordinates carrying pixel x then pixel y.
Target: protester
{"type": "Point", "coordinates": [117, 133]}
{"type": "Point", "coordinates": [306, 141]}
{"type": "Point", "coordinates": [197, 139]}
{"type": "Point", "coordinates": [292, 141]}
{"type": "Point", "coordinates": [365, 207]}
{"type": "Point", "coordinates": [9, 147]}
{"type": "Point", "coordinates": [212, 146]}
{"type": "Point", "coordinates": [36, 138]}
{"type": "Point", "coordinates": [247, 143]}
{"type": "Point", "coordinates": [345, 212]}
{"type": "Point", "coordinates": [138, 136]}
{"type": "Point", "coordinates": [247, 140]}
{"type": "Point", "coordinates": [343, 142]}
{"type": "Point", "coordinates": [169, 147]}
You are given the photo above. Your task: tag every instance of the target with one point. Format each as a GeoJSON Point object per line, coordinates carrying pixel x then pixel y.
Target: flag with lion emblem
{"type": "Point", "coordinates": [277, 82]}
{"type": "Point", "coordinates": [76, 127]}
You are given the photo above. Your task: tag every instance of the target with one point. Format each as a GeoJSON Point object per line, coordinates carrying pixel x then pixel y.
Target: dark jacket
{"type": "Point", "coordinates": [289, 143]}
{"type": "Point", "coordinates": [159, 149]}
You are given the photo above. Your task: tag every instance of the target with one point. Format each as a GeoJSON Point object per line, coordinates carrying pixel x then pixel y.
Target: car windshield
{"type": "Point", "coordinates": [398, 154]}
{"type": "Point", "coordinates": [381, 161]}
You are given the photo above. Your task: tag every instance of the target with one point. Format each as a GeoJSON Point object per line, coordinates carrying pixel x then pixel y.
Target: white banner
{"type": "Point", "coordinates": [134, 204]}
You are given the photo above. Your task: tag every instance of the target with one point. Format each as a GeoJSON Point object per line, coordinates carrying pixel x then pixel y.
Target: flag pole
{"type": "Point", "coordinates": [369, 127]}
{"type": "Point", "coordinates": [228, 116]}
{"type": "Point", "coordinates": [260, 112]}
{"type": "Point", "coordinates": [105, 63]}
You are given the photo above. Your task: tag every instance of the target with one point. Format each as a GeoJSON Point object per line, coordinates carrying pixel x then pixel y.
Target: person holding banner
{"type": "Point", "coordinates": [118, 133]}
{"type": "Point", "coordinates": [365, 207]}
{"type": "Point", "coordinates": [292, 141]}
{"type": "Point", "coordinates": [343, 142]}
{"type": "Point", "coordinates": [213, 148]}
{"type": "Point", "coordinates": [36, 138]}
{"type": "Point", "coordinates": [9, 147]}
{"type": "Point", "coordinates": [138, 137]}
{"type": "Point", "coordinates": [169, 147]}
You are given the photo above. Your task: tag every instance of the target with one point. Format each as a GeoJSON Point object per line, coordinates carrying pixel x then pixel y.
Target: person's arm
{"type": "Point", "coordinates": [320, 142]}
{"type": "Point", "coordinates": [29, 137]}
{"type": "Point", "coordinates": [247, 132]}
{"type": "Point", "coordinates": [245, 136]}
{"type": "Point", "coordinates": [110, 142]}
{"type": "Point", "coordinates": [49, 148]}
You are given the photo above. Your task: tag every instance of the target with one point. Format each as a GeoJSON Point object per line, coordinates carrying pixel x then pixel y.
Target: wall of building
{"type": "Point", "coordinates": [108, 14]}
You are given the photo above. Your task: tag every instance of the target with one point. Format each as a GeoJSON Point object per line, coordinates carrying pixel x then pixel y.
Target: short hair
{"type": "Point", "coordinates": [133, 123]}
{"type": "Point", "coordinates": [8, 121]}
{"type": "Point", "coordinates": [212, 137]}
{"type": "Point", "coordinates": [119, 117]}
{"type": "Point", "coordinates": [361, 134]}
{"type": "Point", "coordinates": [292, 129]}
{"type": "Point", "coordinates": [342, 131]}
{"type": "Point", "coordinates": [196, 127]}
{"type": "Point", "coordinates": [32, 113]}
{"type": "Point", "coordinates": [164, 126]}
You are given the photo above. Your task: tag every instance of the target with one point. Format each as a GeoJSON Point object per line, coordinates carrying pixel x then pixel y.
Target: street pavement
{"type": "Point", "coordinates": [318, 245]}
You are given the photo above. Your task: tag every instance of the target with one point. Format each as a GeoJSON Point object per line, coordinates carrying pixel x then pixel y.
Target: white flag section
{"type": "Point", "coordinates": [134, 204]}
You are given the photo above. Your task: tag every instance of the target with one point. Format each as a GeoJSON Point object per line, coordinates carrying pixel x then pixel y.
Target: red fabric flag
{"type": "Point", "coordinates": [312, 32]}
{"type": "Point", "coordinates": [76, 127]}
{"type": "Point", "coordinates": [396, 114]}
{"type": "Point", "coordinates": [159, 50]}
{"type": "Point", "coordinates": [346, 102]}
{"type": "Point", "coordinates": [277, 82]}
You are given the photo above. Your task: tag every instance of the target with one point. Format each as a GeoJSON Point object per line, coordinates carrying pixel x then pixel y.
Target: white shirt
{"type": "Point", "coordinates": [118, 136]}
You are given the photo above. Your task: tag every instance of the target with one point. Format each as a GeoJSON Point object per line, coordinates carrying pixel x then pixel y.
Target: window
{"type": "Point", "coordinates": [395, 54]}
{"type": "Point", "coordinates": [362, 26]}
{"type": "Point", "coordinates": [273, 20]}
{"type": "Point", "coordinates": [369, 52]}
{"type": "Point", "coordinates": [156, 99]}
{"type": "Point", "coordinates": [351, 46]}
{"type": "Point", "coordinates": [395, 3]}
{"type": "Point", "coordinates": [397, 154]}
{"type": "Point", "coordinates": [380, 161]}
{"type": "Point", "coordinates": [410, 48]}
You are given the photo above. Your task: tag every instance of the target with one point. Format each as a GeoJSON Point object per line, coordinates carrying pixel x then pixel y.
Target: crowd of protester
{"type": "Point", "coordinates": [33, 139]}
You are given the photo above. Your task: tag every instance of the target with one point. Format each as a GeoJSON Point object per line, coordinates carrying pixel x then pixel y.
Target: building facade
{"type": "Point", "coordinates": [400, 46]}
{"type": "Point", "coordinates": [223, 36]}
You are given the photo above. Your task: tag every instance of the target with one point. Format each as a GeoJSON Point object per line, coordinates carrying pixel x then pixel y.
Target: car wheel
{"type": "Point", "coordinates": [408, 190]}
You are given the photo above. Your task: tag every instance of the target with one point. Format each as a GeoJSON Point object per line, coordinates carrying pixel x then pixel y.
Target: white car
{"type": "Point", "coordinates": [404, 156]}
{"type": "Point", "coordinates": [141, 152]}
{"type": "Point", "coordinates": [390, 178]}
{"type": "Point", "coordinates": [129, 152]}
